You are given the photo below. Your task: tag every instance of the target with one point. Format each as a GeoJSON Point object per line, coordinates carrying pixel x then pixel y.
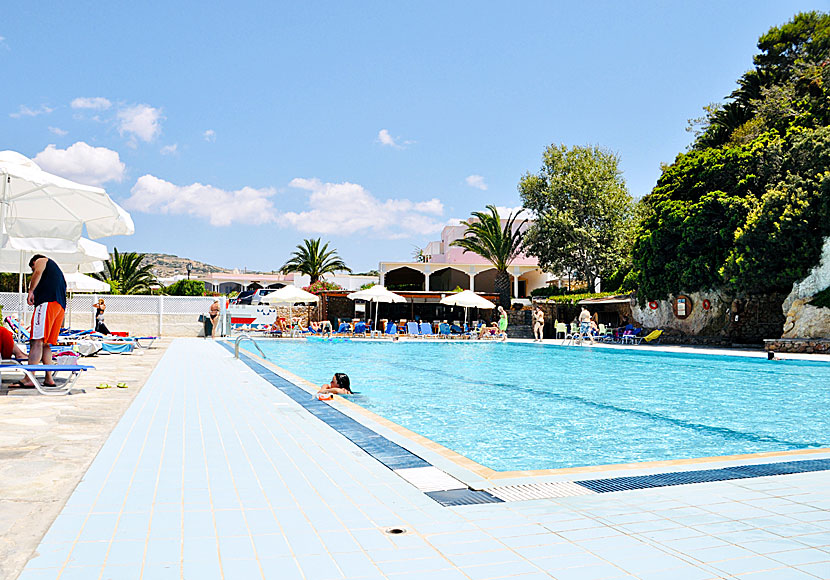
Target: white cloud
{"type": "Point", "coordinates": [96, 103]}
{"type": "Point", "coordinates": [140, 121]}
{"type": "Point", "coordinates": [58, 131]}
{"type": "Point", "coordinates": [347, 208]}
{"type": "Point", "coordinates": [82, 163]}
{"type": "Point", "coordinates": [386, 139]}
{"type": "Point", "coordinates": [25, 111]}
{"type": "Point", "coordinates": [218, 206]}
{"type": "Point", "coordinates": [209, 135]}
{"type": "Point", "coordinates": [504, 212]}
{"type": "Point", "coordinates": [476, 181]}
{"type": "Point", "coordinates": [170, 149]}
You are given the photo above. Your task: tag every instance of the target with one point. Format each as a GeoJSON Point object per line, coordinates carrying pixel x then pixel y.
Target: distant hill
{"type": "Point", "coordinates": [167, 265]}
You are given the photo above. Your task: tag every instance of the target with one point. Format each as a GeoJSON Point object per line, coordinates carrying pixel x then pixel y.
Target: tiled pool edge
{"type": "Point", "coordinates": [395, 457]}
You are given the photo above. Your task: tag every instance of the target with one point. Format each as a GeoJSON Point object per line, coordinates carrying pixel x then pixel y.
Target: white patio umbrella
{"type": "Point", "coordinates": [377, 294]}
{"type": "Point", "coordinates": [467, 299]}
{"type": "Point", "coordinates": [290, 295]}
{"type": "Point", "coordinates": [34, 203]}
{"type": "Point", "coordinates": [16, 252]}
{"type": "Point", "coordinates": [77, 282]}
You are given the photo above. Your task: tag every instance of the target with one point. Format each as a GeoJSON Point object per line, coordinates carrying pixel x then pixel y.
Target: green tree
{"type": "Point", "coordinates": [127, 274]}
{"type": "Point", "coordinates": [498, 245]}
{"type": "Point", "coordinates": [582, 212]}
{"type": "Point", "coordinates": [315, 260]}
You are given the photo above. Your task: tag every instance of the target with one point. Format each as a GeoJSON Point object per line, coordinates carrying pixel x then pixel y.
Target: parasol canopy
{"type": "Point", "coordinates": [38, 204]}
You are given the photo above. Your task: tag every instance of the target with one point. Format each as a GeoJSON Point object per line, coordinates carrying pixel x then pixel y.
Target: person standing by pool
{"type": "Point", "coordinates": [47, 293]}
{"type": "Point", "coordinates": [502, 323]}
{"type": "Point", "coordinates": [538, 323]}
{"type": "Point", "coordinates": [100, 307]}
{"type": "Point", "coordinates": [585, 324]}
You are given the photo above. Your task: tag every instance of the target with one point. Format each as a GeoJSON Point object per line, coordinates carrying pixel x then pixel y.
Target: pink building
{"type": "Point", "coordinates": [446, 267]}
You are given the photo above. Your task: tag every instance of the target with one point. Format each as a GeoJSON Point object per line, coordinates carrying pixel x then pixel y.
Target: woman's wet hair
{"type": "Point", "coordinates": [343, 381]}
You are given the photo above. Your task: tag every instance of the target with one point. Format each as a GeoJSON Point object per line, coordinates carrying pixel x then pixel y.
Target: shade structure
{"type": "Point", "coordinates": [77, 282]}
{"type": "Point", "coordinates": [34, 203]}
{"type": "Point", "coordinates": [467, 299]}
{"type": "Point", "coordinates": [290, 295]}
{"type": "Point", "coordinates": [376, 293]}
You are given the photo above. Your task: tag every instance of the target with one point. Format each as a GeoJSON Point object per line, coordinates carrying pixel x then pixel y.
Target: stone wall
{"type": "Point", "coordinates": [799, 345]}
{"type": "Point", "coordinates": [742, 319]}
{"type": "Point", "coordinates": [804, 320]}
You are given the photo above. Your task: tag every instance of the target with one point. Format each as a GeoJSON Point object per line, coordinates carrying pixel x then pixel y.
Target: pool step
{"type": "Point", "coordinates": [430, 479]}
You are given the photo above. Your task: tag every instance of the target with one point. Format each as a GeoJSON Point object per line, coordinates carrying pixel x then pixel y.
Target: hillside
{"type": "Point", "coordinates": [167, 265]}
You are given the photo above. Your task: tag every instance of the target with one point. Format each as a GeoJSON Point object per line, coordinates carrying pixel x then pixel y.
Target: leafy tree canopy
{"type": "Point", "coordinates": [582, 211]}
{"type": "Point", "coordinates": [748, 205]}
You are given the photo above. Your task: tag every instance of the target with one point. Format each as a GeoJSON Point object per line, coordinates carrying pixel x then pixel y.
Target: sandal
{"type": "Point", "coordinates": [121, 385]}
{"type": "Point", "coordinates": [103, 386]}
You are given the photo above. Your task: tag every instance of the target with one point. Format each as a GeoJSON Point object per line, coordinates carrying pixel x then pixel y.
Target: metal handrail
{"type": "Point", "coordinates": [242, 337]}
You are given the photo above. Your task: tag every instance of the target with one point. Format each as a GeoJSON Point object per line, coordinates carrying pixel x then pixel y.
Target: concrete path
{"type": "Point", "coordinates": [47, 443]}
{"type": "Point", "coordinates": [214, 473]}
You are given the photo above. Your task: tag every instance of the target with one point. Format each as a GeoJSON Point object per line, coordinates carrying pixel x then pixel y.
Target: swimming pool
{"type": "Point", "coordinates": [513, 406]}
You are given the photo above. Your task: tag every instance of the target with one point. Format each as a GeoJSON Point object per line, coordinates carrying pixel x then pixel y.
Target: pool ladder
{"type": "Point", "coordinates": [242, 337]}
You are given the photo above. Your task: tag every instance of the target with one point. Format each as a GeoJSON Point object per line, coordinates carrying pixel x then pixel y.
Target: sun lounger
{"type": "Point", "coordinates": [426, 330]}
{"type": "Point", "coordinates": [412, 329]}
{"type": "Point", "coordinates": [444, 330]}
{"type": "Point", "coordinates": [391, 328]}
{"type": "Point", "coordinates": [30, 370]}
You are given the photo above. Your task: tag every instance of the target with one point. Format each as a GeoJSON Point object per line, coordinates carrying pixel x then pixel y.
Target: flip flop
{"type": "Point", "coordinates": [20, 385]}
{"type": "Point", "coordinates": [121, 385]}
{"type": "Point", "coordinates": [104, 386]}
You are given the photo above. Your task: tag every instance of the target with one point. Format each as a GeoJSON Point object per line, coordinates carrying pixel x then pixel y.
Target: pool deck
{"type": "Point", "coordinates": [212, 472]}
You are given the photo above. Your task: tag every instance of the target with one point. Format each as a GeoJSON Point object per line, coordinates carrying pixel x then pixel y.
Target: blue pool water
{"type": "Point", "coordinates": [515, 406]}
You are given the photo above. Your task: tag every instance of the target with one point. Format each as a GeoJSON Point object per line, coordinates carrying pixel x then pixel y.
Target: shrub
{"type": "Point", "coordinates": [321, 286]}
{"type": "Point", "coordinates": [186, 288]}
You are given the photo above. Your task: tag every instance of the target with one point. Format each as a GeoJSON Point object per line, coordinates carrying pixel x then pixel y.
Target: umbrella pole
{"type": "Point", "coordinates": [377, 306]}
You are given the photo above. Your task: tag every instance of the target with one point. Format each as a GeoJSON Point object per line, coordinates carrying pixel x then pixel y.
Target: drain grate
{"type": "Point", "coordinates": [539, 491]}
{"type": "Point", "coordinates": [704, 475]}
{"type": "Point", "coordinates": [455, 497]}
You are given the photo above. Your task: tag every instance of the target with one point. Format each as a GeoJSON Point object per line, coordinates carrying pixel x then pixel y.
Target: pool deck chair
{"type": "Point", "coordinates": [391, 329]}
{"type": "Point", "coordinates": [561, 328]}
{"type": "Point", "coordinates": [412, 328]}
{"type": "Point", "coordinates": [30, 370]}
{"type": "Point", "coordinates": [426, 330]}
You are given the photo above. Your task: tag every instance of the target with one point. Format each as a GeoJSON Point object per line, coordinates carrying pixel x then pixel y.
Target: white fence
{"type": "Point", "coordinates": [156, 315]}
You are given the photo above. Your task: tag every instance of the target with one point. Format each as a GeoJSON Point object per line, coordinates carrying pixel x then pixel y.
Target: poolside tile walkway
{"type": "Point", "coordinates": [214, 473]}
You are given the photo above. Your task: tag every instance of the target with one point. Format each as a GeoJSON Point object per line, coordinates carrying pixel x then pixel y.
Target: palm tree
{"type": "Point", "coordinates": [497, 245]}
{"type": "Point", "coordinates": [312, 259]}
{"type": "Point", "coordinates": [126, 274]}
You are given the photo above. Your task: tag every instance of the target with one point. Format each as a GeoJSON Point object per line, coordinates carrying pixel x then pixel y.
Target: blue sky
{"type": "Point", "coordinates": [233, 131]}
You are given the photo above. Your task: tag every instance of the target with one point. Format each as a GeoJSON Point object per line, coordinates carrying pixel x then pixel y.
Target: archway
{"type": "Point", "coordinates": [486, 281]}
{"type": "Point", "coordinates": [404, 278]}
{"type": "Point", "coordinates": [448, 279]}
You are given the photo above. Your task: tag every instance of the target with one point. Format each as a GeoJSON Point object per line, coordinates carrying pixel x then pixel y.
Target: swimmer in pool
{"type": "Point", "coordinates": [339, 385]}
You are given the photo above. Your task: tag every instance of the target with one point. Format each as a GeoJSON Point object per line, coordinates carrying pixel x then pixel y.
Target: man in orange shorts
{"type": "Point", "coordinates": [47, 293]}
